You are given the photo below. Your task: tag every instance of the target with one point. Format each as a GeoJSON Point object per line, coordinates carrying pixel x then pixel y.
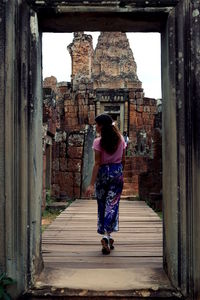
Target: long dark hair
{"type": "Point", "coordinates": [110, 135]}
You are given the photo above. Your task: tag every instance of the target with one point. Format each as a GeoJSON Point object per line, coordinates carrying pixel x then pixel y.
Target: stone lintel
{"type": "Point", "coordinates": [150, 20]}
{"type": "Point", "coordinates": [39, 4]}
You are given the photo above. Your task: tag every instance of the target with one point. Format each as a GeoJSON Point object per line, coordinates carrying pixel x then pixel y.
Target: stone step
{"type": "Point", "coordinates": [129, 188]}
{"type": "Point", "coordinates": [128, 192]}
{"type": "Point", "coordinates": [129, 158]}
{"type": "Point", "coordinates": [129, 197]}
{"type": "Point", "coordinates": [128, 173]}
{"type": "Point", "coordinates": [128, 185]}
{"type": "Point", "coordinates": [51, 292]}
{"type": "Point", "coordinates": [128, 168]}
{"type": "Point", "coordinates": [128, 163]}
{"type": "Point", "coordinates": [128, 180]}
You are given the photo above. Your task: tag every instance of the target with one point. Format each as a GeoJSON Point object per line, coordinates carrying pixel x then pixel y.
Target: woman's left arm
{"type": "Point", "coordinates": [123, 158]}
{"type": "Point", "coordinates": [97, 163]}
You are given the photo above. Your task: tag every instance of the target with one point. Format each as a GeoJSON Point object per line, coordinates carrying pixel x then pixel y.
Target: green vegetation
{"type": "Point", "coordinates": [51, 213]}
{"type": "Point", "coordinates": [49, 200]}
{"type": "Point", "coordinates": [48, 215]}
{"type": "Point", "coordinates": [160, 214]}
{"type": "Point", "coordinates": [158, 211]}
{"type": "Point", "coordinates": [137, 198]}
{"type": "Point", "coordinates": [5, 281]}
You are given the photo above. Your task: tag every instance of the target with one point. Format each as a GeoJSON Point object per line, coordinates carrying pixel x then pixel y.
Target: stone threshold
{"type": "Point", "coordinates": [51, 292]}
{"type": "Point", "coordinates": [133, 283]}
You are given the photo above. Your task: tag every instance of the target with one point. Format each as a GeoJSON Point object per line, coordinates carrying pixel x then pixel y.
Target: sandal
{"type": "Point", "coordinates": [111, 244]}
{"type": "Point", "coordinates": [105, 246]}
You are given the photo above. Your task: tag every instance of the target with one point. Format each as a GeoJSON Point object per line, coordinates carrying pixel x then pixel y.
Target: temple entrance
{"type": "Point", "coordinates": [70, 244]}
{"type": "Point", "coordinates": [114, 110]}
{"type": "Point", "coordinates": [116, 119]}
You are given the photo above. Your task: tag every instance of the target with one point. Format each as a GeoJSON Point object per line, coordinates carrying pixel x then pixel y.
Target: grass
{"type": "Point", "coordinates": [160, 214]}
{"type": "Point", "coordinates": [48, 216]}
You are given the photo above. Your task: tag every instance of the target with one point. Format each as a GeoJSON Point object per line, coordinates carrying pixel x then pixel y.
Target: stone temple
{"type": "Point", "coordinates": [102, 80]}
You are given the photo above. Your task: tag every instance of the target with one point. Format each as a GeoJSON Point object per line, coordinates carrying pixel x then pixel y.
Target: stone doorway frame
{"type": "Point", "coordinates": [21, 122]}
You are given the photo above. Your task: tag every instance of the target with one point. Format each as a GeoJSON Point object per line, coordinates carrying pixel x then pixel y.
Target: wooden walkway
{"type": "Point", "coordinates": [73, 259]}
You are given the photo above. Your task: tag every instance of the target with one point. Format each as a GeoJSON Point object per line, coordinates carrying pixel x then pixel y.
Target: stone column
{"type": "Point", "coordinates": [2, 144]}
{"type": "Point", "coordinates": [122, 121]}
{"type": "Point", "coordinates": [98, 107]}
{"type": "Point", "coordinates": [21, 144]}
{"type": "Point", "coordinates": [126, 116]}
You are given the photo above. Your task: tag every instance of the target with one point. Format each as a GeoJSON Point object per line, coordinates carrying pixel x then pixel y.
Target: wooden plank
{"type": "Point", "coordinates": [94, 239]}
{"type": "Point", "coordinates": [122, 230]}
{"type": "Point", "coordinates": [92, 226]}
{"type": "Point", "coordinates": [72, 240]}
{"type": "Point", "coordinates": [90, 254]}
{"type": "Point", "coordinates": [52, 247]}
{"type": "Point", "coordinates": [100, 265]}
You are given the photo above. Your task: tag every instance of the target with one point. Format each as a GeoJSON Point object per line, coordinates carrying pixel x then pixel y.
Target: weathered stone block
{"type": "Point", "coordinates": [91, 117]}
{"type": "Point", "coordinates": [65, 180]}
{"type": "Point", "coordinates": [80, 97]}
{"type": "Point", "coordinates": [82, 87]}
{"type": "Point", "coordinates": [62, 150]}
{"type": "Point", "coordinates": [67, 102]}
{"type": "Point", "coordinates": [139, 121]}
{"type": "Point", "coordinates": [74, 165]}
{"type": "Point", "coordinates": [139, 108]}
{"type": "Point", "coordinates": [63, 164]}
{"type": "Point", "coordinates": [75, 152]}
{"type": "Point", "coordinates": [55, 191]}
{"type": "Point", "coordinates": [152, 102]}
{"type": "Point", "coordinates": [72, 108]}
{"type": "Point", "coordinates": [77, 179]}
{"type": "Point", "coordinates": [55, 164]}
{"type": "Point", "coordinates": [77, 192]}
{"type": "Point", "coordinates": [153, 109]}
{"type": "Point", "coordinates": [74, 121]}
{"type": "Point", "coordinates": [55, 177]}
{"type": "Point", "coordinates": [76, 140]}
{"type": "Point", "coordinates": [146, 109]}
{"type": "Point", "coordinates": [55, 150]}
{"type": "Point", "coordinates": [139, 101]}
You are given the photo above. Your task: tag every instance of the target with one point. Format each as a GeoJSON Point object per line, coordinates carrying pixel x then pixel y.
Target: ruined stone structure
{"type": "Point", "coordinates": [104, 80]}
{"type": "Point", "coordinates": [114, 66]}
{"type": "Point", "coordinates": [21, 25]}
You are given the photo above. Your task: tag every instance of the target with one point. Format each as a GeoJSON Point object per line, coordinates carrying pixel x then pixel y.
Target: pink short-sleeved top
{"type": "Point", "coordinates": [107, 158]}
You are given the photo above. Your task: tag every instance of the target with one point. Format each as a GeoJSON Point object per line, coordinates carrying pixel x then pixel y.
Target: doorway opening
{"type": "Point", "coordinates": [76, 109]}
{"type": "Point", "coordinates": [103, 79]}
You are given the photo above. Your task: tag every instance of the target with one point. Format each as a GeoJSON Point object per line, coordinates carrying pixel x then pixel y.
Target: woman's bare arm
{"type": "Point", "coordinates": [97, 163]}
{"type": "Point", "coordinates": [96, 166]}
{"type": "Point", "coordinates": [123, 158]}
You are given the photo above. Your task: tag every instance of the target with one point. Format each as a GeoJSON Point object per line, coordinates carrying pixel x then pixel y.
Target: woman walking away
{"type": "Point", "coordinates": [107, 176]}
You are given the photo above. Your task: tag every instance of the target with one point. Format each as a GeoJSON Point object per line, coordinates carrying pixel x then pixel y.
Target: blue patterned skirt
{"type": "Point", "coordinates": [109, 185]}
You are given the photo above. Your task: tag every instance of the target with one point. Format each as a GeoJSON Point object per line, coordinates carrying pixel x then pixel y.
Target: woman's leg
{"type": "Point", "coordinates": [111, 216]}
{"type": "Point", "coordinates": [101, 194]}
{"type": "Point", "coordinates": [109, 187]}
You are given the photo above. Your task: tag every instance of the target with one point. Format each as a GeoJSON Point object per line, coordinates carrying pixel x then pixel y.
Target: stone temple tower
{"type": "Point", "coordinates": [81, 51]}
{"type": "Point", "coordinates": [114, 75]}
{"type": "Point", "coordinates": [114, 65]}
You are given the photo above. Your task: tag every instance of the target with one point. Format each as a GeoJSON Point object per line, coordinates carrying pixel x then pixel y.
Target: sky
{"type": "Point", "coordinates": [145, 47]}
